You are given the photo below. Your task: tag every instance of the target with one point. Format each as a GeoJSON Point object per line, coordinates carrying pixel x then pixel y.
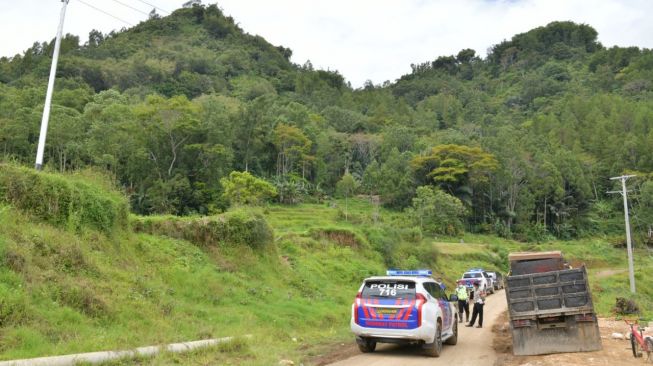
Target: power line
{"type": "Point", "coordinates": [104, 12]}
{"type": "Point", "coordinates": [154, 6]}
{"type": "Point", "coordinates": [131, 7]}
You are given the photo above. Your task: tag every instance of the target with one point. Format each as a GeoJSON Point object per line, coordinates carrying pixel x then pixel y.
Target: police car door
{"type": "Point", "coordinates": [445, 307]}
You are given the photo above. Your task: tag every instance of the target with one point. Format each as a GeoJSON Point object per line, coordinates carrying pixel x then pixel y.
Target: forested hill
{"type": "Point", "coordinates": [520, 143]}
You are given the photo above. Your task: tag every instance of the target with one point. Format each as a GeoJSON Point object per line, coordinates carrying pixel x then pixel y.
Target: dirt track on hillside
{"type": "Point", "coordinates": [474, 346]}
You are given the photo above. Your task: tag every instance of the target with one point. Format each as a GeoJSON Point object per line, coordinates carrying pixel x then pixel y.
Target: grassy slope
{"type": "Point", "coordinates": [65, 292]}
{"type": "Point", "coordinates": [455, 255]}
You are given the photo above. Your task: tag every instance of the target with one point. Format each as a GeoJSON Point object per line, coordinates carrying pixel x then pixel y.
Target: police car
{"type": "Point", "coordinates": [404, 307]}
{"type": "Point", "coordinates": [477, 275]}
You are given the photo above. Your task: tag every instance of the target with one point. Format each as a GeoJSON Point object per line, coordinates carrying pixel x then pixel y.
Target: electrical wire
{"type": "Point", "coordinates": [104, 12]}
{"type": "Point", "coordinates": [154, 6]}
{"type": "Point", "coordinates": [131, 7]}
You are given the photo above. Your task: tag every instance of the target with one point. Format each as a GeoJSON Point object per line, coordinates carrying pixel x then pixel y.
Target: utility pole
{"type": "Point", "coordinates": [624, 193]}
{"type": "Point", "coordinates": [48, 94]}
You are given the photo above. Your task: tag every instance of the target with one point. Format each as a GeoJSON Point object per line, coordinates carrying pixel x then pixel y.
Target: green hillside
{"type": "Point", "coordinates": [525, 138]}
{"type": "Point", "coordinates": [78, 288]}
{"type": "Point", "coordinates": [198, 184]}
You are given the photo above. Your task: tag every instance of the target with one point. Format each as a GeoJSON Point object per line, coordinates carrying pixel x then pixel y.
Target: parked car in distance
{"type": "Point", "coordinates": [477, 275]}
{"type": "Point", "coordinates": [497, 280]}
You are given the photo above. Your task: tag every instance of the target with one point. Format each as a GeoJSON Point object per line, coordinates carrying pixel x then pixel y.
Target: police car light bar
{"type": "Point", "coordinates": [416, 272]}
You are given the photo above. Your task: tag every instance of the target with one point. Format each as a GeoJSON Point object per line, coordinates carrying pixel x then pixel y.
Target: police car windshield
{"type": "Point", "coordinates": [388, 289]}
{"type": "Point", "coordinates": [473, 275]}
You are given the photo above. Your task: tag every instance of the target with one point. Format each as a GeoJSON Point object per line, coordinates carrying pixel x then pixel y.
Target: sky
{"type": "Point", "coordinates": [373, 40]}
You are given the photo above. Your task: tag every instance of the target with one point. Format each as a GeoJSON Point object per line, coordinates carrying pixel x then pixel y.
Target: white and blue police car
{"type": "Point", "coordinates": [404, 307]}
{"type": "Point", "coordinates": [477, 275]}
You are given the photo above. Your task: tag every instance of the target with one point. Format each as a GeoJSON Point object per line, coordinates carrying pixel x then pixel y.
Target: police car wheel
{"type": "Point", "coordinates": [436, 348]}
{"type": "Point", "coordinates": [454, 338]}
{"type": "Point", "coordinates": [367, 346]}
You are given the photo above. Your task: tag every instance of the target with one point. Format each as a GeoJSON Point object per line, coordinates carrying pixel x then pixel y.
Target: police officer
{"type": "Point", "coordinates": [463, 303]}
{"type": "Point", "coordinates": [478, 296]}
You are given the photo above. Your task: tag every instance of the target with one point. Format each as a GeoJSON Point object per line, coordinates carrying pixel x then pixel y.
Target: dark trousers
{"type": "Point", "coordinates": [463, 305]}
{"type": "Point", "coordinates": [478, 310]}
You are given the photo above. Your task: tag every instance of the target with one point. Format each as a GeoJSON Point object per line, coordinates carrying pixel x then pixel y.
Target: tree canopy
{"type": "Point", "coordinates": [525, 138]}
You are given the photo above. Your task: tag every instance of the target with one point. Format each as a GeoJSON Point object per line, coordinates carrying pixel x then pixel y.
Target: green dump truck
{"type": "Point", "coordinates": [549, 305]}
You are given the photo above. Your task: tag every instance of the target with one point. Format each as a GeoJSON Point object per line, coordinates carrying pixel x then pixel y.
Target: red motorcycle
{"type": "Point", "coordinates": [639, 342]}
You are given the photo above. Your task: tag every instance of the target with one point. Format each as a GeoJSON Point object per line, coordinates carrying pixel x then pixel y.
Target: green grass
{"type": "Point", "coordinates": [65, 291]}
{"type": "Point", "coordinates": [73, 201]}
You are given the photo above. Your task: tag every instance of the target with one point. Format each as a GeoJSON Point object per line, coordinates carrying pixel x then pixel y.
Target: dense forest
{"type": "Point", "coordinates": [520, 143]}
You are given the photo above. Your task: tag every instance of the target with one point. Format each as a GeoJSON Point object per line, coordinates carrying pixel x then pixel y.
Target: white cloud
{"type": "Point", "coordinates": [363, 39]}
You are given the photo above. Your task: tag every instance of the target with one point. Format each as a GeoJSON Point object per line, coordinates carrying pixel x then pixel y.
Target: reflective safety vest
{"type": "Point", "coordinates": [461, 291]}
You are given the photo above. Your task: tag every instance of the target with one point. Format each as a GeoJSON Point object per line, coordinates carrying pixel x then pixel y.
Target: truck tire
{"type": "Point", "coordinates": [367, 346]}
{"type": "Point", "coordinates": [637, 349]}
{"type": "Point", "coordinates": [435, 348]}
{"type": "Point", "coordinates": [453, 340]}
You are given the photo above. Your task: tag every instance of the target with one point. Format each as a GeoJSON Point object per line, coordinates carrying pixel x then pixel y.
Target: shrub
{"type": "Point", "coordinates": [411, 235]}
{"type": "Point", "coordinates": [239, 227]}
{"type": "Point", "coordinates": [242, 188]}
{"type": "Point", "coordinates": [63, 200]}
{"type": "Point", "coordinates": [13, 306]}
{"type": "Point", "coordinates": [82, 299]}
{"type": "Point", "coordinates": [437, 212]}
{"type": "Point", "coordinates": [344, 237]}
{"type": "Point", "coordinates": [625, 306]}
{"type": "Point", "coordinates": [385, 241]}
{"type": "Point", "coordinates": [533, 233]}
{"type": "Point", "coordinates": [14, 260]}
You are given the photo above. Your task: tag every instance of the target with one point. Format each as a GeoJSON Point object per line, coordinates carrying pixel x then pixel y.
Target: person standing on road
{"type": "Point", "coordinates": [463, 302]}
{"type": "Point", "coordinates": [478, 296]}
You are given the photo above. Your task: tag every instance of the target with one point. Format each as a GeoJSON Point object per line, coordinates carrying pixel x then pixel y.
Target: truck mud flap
{"type": "Point", "coordinates": [537, 337]}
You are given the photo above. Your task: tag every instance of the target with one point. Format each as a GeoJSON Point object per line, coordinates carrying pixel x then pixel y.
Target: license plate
{"type": "Point", "coordinates": [386, 311]}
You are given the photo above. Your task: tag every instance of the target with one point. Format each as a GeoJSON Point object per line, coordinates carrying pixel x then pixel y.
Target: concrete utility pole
{"type": "Point", "coordinates": [48, 94]}
{"type": "Point", "coordinates": [624, 193]}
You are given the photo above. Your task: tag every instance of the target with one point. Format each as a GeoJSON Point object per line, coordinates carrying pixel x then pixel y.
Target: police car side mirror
{"type": "Point", "coordinates": [453, 297]}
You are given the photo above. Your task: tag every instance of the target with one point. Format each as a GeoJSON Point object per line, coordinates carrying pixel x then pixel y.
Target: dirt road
{"type": "Point", "coordinates": [474, 346]}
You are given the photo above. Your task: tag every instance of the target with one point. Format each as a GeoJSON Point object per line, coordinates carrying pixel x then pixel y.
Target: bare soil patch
{"type": "Point", "coordinates": [330, 353]}
{"type": "Point", "coordinates": [615, 352]}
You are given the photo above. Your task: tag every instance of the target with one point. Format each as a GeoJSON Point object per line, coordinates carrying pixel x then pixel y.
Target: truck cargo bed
{"type": "Point", "coordinates": [552, 312]}
{"type": "Point", "coordinates": [557, 292]}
